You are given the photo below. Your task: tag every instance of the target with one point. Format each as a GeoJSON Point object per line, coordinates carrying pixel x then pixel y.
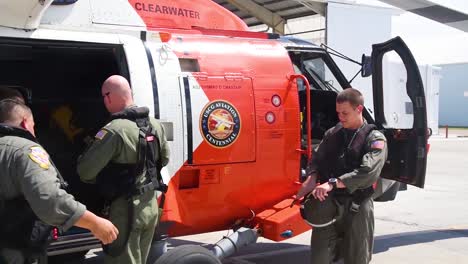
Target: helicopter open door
{"type": "Point", "coordinates": [407, 156]}
{"type": "Point", "coordinates": [23, 14]}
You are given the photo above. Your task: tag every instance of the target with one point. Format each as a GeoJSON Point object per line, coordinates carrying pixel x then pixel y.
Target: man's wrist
{"type": "Point", "coordinates": [333, 183]}
{"type": "Point", "coordinates": [340, 184]}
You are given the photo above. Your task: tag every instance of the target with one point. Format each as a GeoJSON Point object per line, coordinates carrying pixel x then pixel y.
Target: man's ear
{"type": "Point", "coordinates": [360, 108]}
{"type": "Point", "coordinates": [23, 123]}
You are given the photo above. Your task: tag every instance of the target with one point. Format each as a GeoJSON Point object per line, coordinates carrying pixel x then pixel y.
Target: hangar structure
{"type": "Point", "coordinates": [273, 13]}
{"type": "Point", "coordinates": [276, 13]}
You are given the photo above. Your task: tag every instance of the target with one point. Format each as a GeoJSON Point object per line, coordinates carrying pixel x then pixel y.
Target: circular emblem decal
{"type": "Point", "coordinates": [220, 123]}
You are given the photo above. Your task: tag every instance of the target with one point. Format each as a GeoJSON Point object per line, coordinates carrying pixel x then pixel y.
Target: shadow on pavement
{"type": "Point", "coordinates": [385, 242]}
{"type": "Point", "coordinates": [276, 253]}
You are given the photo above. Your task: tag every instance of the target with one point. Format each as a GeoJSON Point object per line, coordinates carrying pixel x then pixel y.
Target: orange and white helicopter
{"type": "Point", "coordinates": [242, 110]}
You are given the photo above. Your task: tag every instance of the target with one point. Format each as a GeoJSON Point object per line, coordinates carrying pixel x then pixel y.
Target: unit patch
{"type": "Point", "coordinates": [39, 156]}
{"type": "Point", "coordinates": [220, 123]}
{"type": "Point", "coordinates": [101, 134]}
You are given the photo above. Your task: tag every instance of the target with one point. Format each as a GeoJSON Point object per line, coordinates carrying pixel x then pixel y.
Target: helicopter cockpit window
{"type": "Point", "coordinates": [321, 73]}
{"type": "Point", "coordinates": [300, 83]}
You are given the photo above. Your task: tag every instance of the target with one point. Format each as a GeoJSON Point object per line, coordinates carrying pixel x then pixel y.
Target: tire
{"type": "Point", "coordinates": [60, 259]}
{"type": "Point", "coordinates": [158, 249]}
{"type": "Point", "coordinates": [188, 254]}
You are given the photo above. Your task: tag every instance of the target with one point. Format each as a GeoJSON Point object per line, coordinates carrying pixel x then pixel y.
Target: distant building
{"type": "Point", "coordinates": [453, 98]}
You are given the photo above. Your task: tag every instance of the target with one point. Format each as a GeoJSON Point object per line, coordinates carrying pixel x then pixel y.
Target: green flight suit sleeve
{"type": "Point", "coordinates": [165, 152]}
{"type": "Point", "coordinates": [312, 166]}
{"type": "Point", "coordinates": [371, 165]}
{"type": "Point", "coordinates": [106, 145]}
{"type": "Point", "coordinates": [41, 188]}
{"type": "Point", "coordinates": [164, 146]}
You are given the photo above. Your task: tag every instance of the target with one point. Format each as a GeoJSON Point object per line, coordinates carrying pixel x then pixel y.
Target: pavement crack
{"type": "Point", "coordinates": [386, 219]}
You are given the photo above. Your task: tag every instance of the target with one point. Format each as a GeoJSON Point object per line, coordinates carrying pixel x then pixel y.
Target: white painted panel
{"type": "Point", "coordinates": [24, 14]}
{"type": "Point", "coordinates": [94, 15]}
{"type": "Point", "coordinates": [140, 77]}
{"type": "Point", "coordinates": [198, 101]}
{"type": "Point", "coordinates": [115, 12]}
{"type": "Point", "coordinates": [167, 68]}
{"type": "Point", "coordinates": [78, 36]}
{"type": "Point", "coordinates": [75, 15]}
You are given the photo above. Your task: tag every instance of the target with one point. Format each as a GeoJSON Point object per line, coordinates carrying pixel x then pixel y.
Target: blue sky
{"type": "Point", "coordinates": [431, 42]}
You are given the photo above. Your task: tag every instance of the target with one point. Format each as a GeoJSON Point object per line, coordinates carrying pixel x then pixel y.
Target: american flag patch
{"type": "Point", "coordinates": [101, 134]}
{"type": "Point", "coordinates": [378, 144]}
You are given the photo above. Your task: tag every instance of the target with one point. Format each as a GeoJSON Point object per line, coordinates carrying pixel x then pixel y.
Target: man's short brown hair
{"type": "Point", "coordinates": [7, 92]}
{"type": "Point", "coordinates": [12, 111]}
{"type": "Point", "coordinates": [351, 95]}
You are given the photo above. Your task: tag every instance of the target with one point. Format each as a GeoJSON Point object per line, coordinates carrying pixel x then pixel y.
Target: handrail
{"type": "Point", "coordinates": [293, 77]}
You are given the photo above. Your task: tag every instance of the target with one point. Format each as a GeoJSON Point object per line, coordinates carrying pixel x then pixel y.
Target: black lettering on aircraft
{"type": "Point", "coordinates": [167, 10]}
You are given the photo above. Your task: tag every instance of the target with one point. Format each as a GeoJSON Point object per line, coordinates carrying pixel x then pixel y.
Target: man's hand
{"type": "Point", "coordinates": [307, 186]}
{"type": "Point", "coordinates": [321, 192]}
{"type": "Point", "coordinates": [295, 201]}
{"type": "Point", "coordinates": [101, 228]}
{"type": "Point", "coordinates": [105, 231]}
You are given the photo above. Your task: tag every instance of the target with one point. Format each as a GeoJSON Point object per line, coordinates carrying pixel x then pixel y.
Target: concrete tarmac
{"type": "Point", "coordinates": [427, 225]}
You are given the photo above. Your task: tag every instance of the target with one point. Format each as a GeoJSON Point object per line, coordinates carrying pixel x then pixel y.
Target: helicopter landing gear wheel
{"type": "Point", "coordinates": [188, 254]}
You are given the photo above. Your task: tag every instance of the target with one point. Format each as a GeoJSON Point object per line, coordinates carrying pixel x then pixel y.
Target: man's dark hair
{"type": "Point", "coordinates": [352, 96]}
{"type": "Point", "coordinates": [11, 93]}
{"type": "Point", "coordinates": [13, 111]}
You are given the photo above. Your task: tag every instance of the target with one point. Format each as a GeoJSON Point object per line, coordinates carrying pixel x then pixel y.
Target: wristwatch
{"type": "Point", "coordinates": [332, 182]}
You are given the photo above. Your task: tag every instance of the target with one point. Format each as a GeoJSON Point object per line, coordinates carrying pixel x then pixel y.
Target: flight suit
{"type": "Point", "coordinates": [352, 236]}
{"type": "Point", "coordinates": [26, 170]}
{"type": "Point", "coordinates": [117, 142]}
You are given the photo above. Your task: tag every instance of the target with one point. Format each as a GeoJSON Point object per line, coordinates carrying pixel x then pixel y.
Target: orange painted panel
{"type": "Point", "coordinates": [261, 167]}
{"type": "Point", "coordinates": [282, 219]}
{"type": "Point", "coordinates": [227, 122]}
{"type": "Point", "coordinates": [222, 197]}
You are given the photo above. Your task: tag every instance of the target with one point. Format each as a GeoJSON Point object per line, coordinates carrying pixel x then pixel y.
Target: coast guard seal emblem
{"type": "Point", "coordinates": [220, 123]}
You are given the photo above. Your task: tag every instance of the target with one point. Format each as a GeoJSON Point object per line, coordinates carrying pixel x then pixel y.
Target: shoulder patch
{"type": "Point", "coordinates": [39, 156]}
{"type": "Point", "coordinates": [378, 144]}
{"type": "Point", "coordinates": [101, 134]}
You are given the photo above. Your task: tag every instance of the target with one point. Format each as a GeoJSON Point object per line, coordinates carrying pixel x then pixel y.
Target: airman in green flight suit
{"type": "Point", "coordinates": [31, 193]}
{"type": "Point", "coordinates": [116, 146]}
{"type": "Point", "coordinates": [346, 164]}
